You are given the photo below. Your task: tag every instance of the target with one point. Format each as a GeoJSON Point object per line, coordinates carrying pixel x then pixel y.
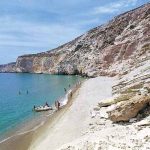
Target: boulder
{"type": "Point", "coordinates": [96, 108]}
{"type": "Point", "coordinates": [128, 109]}
{"type": "Point", "coordinates": [106, 102]}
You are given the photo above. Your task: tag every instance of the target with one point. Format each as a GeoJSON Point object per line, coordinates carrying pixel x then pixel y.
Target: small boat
{"type": "Point", "coordinates": [42, 108]}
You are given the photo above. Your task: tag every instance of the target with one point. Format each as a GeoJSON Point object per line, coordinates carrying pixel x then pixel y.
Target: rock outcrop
{"type": "Point", "coordinates": [11, 67]}
{"type": "Point", "coordinates": [129, 109]}
{"type": "Point", "coordinates": [111, 49]}
{"type": "Point", "coordinates": [115, 99]}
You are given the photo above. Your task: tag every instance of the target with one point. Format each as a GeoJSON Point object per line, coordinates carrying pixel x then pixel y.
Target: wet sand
{"type": "Point", "coordinates": [19, 142]}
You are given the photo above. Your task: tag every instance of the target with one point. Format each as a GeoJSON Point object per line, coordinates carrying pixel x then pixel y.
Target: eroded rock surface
{"type": "Point", "coordinates": [129, 109]}
{"type": "Point", "coordinates": [11, 67]}
{"type": "Point", "coordinates": [114, 48]}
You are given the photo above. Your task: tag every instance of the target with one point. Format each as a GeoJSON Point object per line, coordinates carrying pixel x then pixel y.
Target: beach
{"type": "Point", "coordinates": [74, 120]}
{"type": "Point", "coordinates": [81, 125]}
{"type": "Point", "coordinates": [23, 136]}
{"type": "Point", "coordinates": [67, 124]}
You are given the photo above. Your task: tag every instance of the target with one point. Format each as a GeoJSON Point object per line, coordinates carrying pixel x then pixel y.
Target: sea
{"type": "Point", "coordinates": [19, 92]}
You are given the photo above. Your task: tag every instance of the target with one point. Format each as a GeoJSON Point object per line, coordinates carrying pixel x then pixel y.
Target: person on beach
{"type": "Point", "coordinates": [71, 94]}
{"type": "Point", "coordinates": [65, 90]}
{"type": "Point", "coordinates": [57, 104]}
{"type": "Point", "coordinates": [46, 104]}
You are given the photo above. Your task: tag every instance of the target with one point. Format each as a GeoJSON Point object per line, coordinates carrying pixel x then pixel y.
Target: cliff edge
{"type": "Point", "coordinates": [115, 48]}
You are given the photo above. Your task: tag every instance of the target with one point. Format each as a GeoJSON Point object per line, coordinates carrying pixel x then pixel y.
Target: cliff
{"type": "Point", "coordinates": [117, 47]}
{"type": "Point", "coordinates": [11, 67]}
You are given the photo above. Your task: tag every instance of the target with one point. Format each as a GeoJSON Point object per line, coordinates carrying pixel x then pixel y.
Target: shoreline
{"type": "Point", "coordinates": [73, 122]}
{"type": "Point", "coordinates": [23, 138]}
{"type": "Point", "coordinates": [81, 124]}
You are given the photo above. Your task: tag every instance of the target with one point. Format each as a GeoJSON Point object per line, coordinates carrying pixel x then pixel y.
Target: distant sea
{"type": "Point", "coordinates": [19, 92]}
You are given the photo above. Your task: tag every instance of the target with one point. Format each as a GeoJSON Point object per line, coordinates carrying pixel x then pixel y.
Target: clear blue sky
{"type": "Point", "coordinates": [31, 26]}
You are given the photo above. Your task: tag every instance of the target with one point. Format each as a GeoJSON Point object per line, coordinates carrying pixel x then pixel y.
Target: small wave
{"type": "Point", "coordinates": [65, 100]}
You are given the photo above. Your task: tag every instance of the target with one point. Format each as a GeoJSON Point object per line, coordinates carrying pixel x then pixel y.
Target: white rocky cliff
{"type": "Point", "coordinates": [114, 48]}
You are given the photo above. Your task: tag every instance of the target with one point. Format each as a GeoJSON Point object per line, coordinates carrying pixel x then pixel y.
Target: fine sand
{"type": "Point", "coordinates": [82, 126]}
{"type": "Point", "coordinates": [73, 121]}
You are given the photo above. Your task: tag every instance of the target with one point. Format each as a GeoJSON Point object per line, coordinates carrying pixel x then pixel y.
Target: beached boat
{"type": "Point", "coordinates": [42, 108]}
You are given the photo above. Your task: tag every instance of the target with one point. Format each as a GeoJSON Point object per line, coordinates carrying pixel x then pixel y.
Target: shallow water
{"type": "Point", "coordinates": [20, 92]}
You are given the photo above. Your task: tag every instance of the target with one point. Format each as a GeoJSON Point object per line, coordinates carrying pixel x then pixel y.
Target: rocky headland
{"type": "Point", "coordinates": [112, 49]}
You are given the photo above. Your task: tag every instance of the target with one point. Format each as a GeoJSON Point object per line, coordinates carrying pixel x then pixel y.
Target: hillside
{"type": "Point", "coordinates": [114, 48]}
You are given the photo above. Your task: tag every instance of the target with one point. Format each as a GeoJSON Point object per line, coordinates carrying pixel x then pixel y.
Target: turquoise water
{"type": "Point", "coordinates": [16, 108]}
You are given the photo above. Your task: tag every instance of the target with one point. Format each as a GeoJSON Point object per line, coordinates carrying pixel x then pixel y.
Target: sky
{"type": "Point", "coordinates": [32, 26]}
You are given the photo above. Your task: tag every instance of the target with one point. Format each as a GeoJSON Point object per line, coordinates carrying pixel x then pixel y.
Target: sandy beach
{"type": "Point", "coordinates": [23, 136]}
{"type": "Point", "coordinates": [73, 123]}
{"type": "Point", "coordinates": [80, 125]}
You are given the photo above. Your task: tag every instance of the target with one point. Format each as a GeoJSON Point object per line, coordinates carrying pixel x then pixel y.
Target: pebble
{"type": "Point", "coordinates": [96, 108]}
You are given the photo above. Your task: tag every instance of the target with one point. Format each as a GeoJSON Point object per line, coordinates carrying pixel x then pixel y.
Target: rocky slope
{"type": "Point", "coordinates": [11, 67]}
{"type": "Point", "coordinates": [117, 47]}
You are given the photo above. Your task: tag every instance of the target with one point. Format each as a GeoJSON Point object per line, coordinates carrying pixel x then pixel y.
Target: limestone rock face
{"type": "Point", "coordinates": [11, 67]}
{"type": "Point", "coordinates": [111, 49]}
{"type": "Point", "coordinates": [128, 109]}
